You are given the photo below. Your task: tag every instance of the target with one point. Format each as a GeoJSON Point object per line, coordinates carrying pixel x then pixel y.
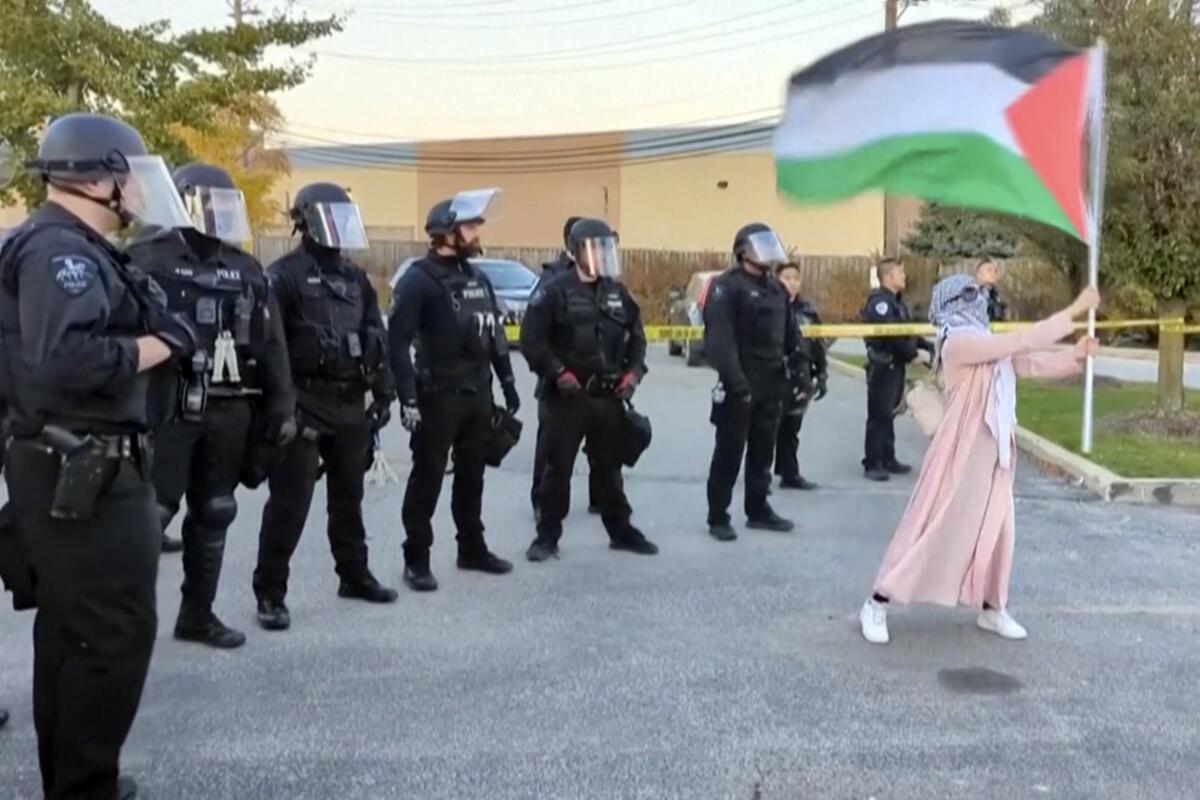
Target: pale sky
{"type": "Point", "coordinates": [441, 69]}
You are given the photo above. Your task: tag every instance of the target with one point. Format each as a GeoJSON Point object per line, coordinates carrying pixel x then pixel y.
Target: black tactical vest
{"type": "Point", "coordinates": [470, 340]}
{"type": "Point", "coordinates": [597, 328]}
{"type": "Point", "coordinates": [324, 339]}
{"type": "Point", "coordinates": [224, 294]}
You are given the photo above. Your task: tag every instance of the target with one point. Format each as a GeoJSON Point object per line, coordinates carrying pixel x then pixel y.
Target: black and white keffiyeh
{"type": "Point", "coordinates": [951, 312]}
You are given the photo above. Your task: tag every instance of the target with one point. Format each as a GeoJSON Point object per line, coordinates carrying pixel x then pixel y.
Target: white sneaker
{"type": "Point", "coordinates": [873, 618]}
{"type": "Point", "coordinates": [1001, 624]}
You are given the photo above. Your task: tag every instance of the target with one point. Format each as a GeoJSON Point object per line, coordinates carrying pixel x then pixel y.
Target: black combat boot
{"type": "Point", "coordinates": [542, 550]}
{"type": "Point", "coordinates": [368, 589]}
{"type": "Point", "coordinates": [273, 615]}
{"type": "Point", "coordinates": [480, 559]}
{"type": "Point", "coordinates": [768, 520]}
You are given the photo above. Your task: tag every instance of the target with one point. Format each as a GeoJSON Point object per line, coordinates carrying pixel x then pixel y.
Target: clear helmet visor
{"type": "Point", "coordinates": [765, 249]}
{"type": "Point", "coordinates": [599, 257]}
{"type": "Point", "coordinates": [150, 196]}
{"type": "Point", "coordinates": [474, 205]}
{"type": "Point", "coordinates": [219, 213]}
{"type": "Point", "coordinates": [336, 225]}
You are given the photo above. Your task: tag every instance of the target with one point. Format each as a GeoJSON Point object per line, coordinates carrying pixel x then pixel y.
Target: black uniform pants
{"type": "Point", "coordinates": [787, 443]}
{"type": "Point", "coordinates": [345, 452]}
{"type": "Point", "coordinates": [749, 429]}
{"type": "Point", "coordinates": [96, 619]}
{"type": "Point", "coordinates": [539, 460]}
{"type": "Point", "coordinates": [570, 422]}
{"type": "Point", "coordinates": [202, 460]}
{"type": "Point", "coordinates": [885, 390]}
{"type": "Point", "coordinates": [458, 420]}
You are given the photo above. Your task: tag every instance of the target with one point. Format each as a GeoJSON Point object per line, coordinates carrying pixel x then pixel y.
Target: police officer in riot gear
{"type": "Point", "coordinates": [336, 342]}
{"type": "Point", "coordinates": [241, 368]}
{"type": "Point", "coordinates": [561, 265]}
{"type": "Point", "coordinates": [748, 335]}
{"type": "Point", "coordinates": [582, 335]}
{"type": "Point", "coordinates": [808, 373]}
{"type": "Point", "coordinates": [887, 360]}
{"type": "Point", "coordinates": [446, 307]}
{"type": "Point", "coordinates": [81, 332]}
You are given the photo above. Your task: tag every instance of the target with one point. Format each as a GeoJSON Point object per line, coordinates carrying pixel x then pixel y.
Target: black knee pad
{"type": "Point", "coordinates": [217, 513]}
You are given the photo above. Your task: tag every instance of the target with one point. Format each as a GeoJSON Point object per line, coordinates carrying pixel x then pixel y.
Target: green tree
{"type": "Point", "coordinates": [1151, 238]}
{"type": "Point", "coordinates": [58, 56]}
{"type": "Point", "coordinates": [948, 232]}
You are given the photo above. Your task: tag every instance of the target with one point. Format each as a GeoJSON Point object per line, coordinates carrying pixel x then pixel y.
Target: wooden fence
{"type": "Point", "coordinates": [837, 284]}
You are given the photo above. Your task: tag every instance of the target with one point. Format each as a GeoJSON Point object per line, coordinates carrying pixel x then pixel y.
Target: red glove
{"type": "Point", "coordinates": [629, 382]}
{"type": "Point", "coordinates": [567, 383]}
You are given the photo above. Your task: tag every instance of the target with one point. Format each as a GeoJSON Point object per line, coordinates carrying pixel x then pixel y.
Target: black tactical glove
{"type": "Point", "coordinates": [175, 331]}
{"type": "Point", "coordinates": [512, 400]}
{"type": "Point", "coordinates": [410, 415]}
{"type": "Point", "coordinates": [281, 432]}
{"type": "Point", "coordinates": [379, 414]}
{"type": "Point", "coordinates": [821, 384]}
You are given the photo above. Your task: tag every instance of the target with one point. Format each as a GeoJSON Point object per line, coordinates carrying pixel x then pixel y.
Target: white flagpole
{"type": "Point", "coordinates": [1095, 215]}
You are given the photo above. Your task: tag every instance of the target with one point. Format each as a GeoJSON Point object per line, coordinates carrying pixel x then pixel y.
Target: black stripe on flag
{"type": "Point", "coordinates": [1023, 54]}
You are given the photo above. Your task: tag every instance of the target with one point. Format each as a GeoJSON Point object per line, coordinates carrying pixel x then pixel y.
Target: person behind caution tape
{"type": "Point", "coordinates": [887, 361]}
{"type": "Point", "coordinates": [748, 334]}
{"type": "Point", "coordinates": [447, 307]}
{"type": "Point", "coordinates": [582, 335]}
{"type": "Point", "coordinates": [240, 368]}
{"type": "Point", "coordinates": [336, 343]}
{"type": "Point", "coordinates": [82, 330]}
{"type": "Point", "coordinates": [561, 265]}
{"type": "Point", "coordinates": [808, 372]}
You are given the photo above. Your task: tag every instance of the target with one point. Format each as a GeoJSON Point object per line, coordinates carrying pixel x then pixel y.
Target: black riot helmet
{"type": "Point", "coordinates": [446, 218]}
{"type": "Point", "coordinates": [215, 204]}
{"type": "Point", "coordinates": [326, 214]}
{"type": "Point", "coordinates": [567, 230]}
{"type": "Point", "coordinates": [592, 245]}
{"type": "Point", "coordinates": [759, 245]}
{"type": "Point", "coordinates": [84, 148]}
{"type": "Point", "coordinates": [464, 208]}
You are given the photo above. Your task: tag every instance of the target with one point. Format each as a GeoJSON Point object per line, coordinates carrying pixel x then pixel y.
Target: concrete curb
{"type": "Point", "coordinates": [1104, 483]}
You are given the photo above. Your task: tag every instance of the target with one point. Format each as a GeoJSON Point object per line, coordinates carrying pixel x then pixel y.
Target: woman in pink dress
{"type": "Point", "coordinates": [954, 544]}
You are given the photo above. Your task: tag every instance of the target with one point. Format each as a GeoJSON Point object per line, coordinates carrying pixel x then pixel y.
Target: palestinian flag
{"type": "Point", "coordinates": [956, 112]}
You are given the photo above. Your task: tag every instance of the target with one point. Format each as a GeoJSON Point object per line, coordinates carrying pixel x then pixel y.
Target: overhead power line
{"type": "Point", "coordinates": [665, 129]}
{"type": "Point", "coordinates": [585, 68]}
{"type": "Point", "coordinates": [711, 143]}
{"type": "Point", "coordinates": [520, 25]}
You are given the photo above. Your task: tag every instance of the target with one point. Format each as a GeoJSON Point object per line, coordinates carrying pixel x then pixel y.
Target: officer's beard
{"type": "Point", "coordinates": [465, 249]}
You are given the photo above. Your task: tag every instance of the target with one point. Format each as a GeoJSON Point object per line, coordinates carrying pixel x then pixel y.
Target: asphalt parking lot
{"type": "Point", "coordinates": [710, 671]}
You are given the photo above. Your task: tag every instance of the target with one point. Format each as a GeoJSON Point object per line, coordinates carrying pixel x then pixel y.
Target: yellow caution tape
{"type": "Point", "coordinates": [684, 333]}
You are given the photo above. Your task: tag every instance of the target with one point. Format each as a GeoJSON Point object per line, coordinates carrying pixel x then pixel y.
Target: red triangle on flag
{"type": "Point", "coordinates": [1048, 124]}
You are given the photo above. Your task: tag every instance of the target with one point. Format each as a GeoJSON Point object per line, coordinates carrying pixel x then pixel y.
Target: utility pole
{"type": "Point", "coordinates": [891, 206]}
{"type": "Point", "coordinates": [240, 9]}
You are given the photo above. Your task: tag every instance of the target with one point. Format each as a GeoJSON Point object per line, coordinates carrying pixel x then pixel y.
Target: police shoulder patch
{"type": "Point", "coordinates": [881, 307]}
{"type": "Point", "coordinates": [74, 274]}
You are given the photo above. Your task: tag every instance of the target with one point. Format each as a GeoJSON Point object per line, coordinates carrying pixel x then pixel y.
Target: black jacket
{"type": "Point", "coordinates": [70, 317]}
{"type": "Point", "coordinates": [447, 308]}
{"type": "Point", "coordinates": [336, 340]}
{"type": "Point", "coordinates": [590, 329]}
{"type": "Point", "coordinates": [885, 308]}
{"type": "Point", "coordinates": [220, 288]}
{"type": "Point", "coordinates": [749, 331]}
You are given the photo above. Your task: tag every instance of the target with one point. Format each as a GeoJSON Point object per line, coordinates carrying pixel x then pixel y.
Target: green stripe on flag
{"type": "Point", "coordinates": [963, 169]}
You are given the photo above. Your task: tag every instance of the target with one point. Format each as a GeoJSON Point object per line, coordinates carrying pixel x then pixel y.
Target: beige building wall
{"type": "Point", "coordinates": [387, 198]}
{"type": "Point", "coordinates": [11, 216]}
{"type": "Point", "coordinates": [536, 202]}
{"type": "Point", "coordinates": [681, 205]}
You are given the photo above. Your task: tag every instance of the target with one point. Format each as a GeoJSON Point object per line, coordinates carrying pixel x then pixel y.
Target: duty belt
{"type": "Point", "coordinates": [330, 388]}
{"type": "Point", "coordinates": [110, 445]}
